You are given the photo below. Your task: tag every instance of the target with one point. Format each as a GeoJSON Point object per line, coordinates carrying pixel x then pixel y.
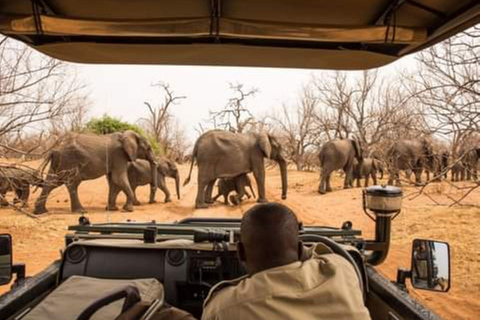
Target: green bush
{"type": "Point", "coordinates": [107, 124]}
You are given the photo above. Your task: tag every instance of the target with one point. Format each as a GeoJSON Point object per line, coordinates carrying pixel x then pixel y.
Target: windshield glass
{"type": "Point", "coordinates": [101, 140]}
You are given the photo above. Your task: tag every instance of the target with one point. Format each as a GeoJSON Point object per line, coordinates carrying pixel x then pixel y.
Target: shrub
{"type": "Point", "coordinates": [107, 124]}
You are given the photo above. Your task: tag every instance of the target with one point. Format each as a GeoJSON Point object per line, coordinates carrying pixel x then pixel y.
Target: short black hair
{"type": "Point", "coordinates": [269, 234]}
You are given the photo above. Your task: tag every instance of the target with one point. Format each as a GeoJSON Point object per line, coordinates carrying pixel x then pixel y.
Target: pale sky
{"type": "Point", "coordinates": [120, 90]}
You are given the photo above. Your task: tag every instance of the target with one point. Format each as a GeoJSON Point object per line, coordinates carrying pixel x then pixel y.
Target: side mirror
{"type": "Point", "coordinates": [430, 268]}
{"type": "Point", "coordinates": [5, 258]}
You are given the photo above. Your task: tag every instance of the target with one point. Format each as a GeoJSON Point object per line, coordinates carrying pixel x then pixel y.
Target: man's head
{"type": "Point", "coordinates": [268, 237]}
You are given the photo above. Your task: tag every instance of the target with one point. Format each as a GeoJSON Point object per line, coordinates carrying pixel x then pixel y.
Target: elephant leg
{"type": "Point", "coordinates": [113, 198]}
{"type": "Point", "coordinates": [18, 195]}
{"type": "Point", "coordinates": [136, 202]}
{"type": "Point", "coordinates": [367, 178]}
{"type": "Point", "coordinates": [329, 187]}
{"type": "Point", "coordinates": [259, 174]}
{"type": "Point", "coordinates": [75, 204]}
{"type": "Point", "coordinates": [3, 199]}
{"type": "Point", "coordinates": [209, 191]}
{"type": "Point", "coordinates": [50, 184]}
{"type": "Point", "coordinates": [24, 195]}
{"type": "Point", "coordinates": [216, 197]}
{"type": "Point", "coordinates": [202, 182]}
{"type": "Point", "coordinates": [163, 186]}
{"type": "Point", "coordinates": [113, 192]}
{"type": "Point", "coordinates": [374, 178]}
{"type": "Point", "coordinates": [391, 176]}
{"type": "Point", "coordinates": [324, 186]}
{"type": "Point", "coordinates": [358, 182]}
{"type": "Point", "coordinates": [348, 175]}
{"type": "Point", "coordinates": [120, 180]}
{"type": "Point", "coordinates": [225, 198]}
{"type": "Point", "coordinates": [240, 192]}
{"type": "Point", "coordinates": [418, 176]}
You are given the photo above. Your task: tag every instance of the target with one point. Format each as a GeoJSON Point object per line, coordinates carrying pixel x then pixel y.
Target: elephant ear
{"type": "Point", "coordinates": [264, 144]}
{"type": "Point", "coordinates": [130, 144]}
{"type": "Point", "coordinates": [358, 150]}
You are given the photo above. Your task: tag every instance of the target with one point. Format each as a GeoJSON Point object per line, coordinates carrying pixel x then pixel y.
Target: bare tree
{"type": "Point", "coordinates": [162, 126]}
{"type": "Point", "coordinates": [35, 91]}
{"type": "Point", "coordinates": [447, 87]}
{"type": "Point", "coordinates": [297, 126]}
{"type": "Point", "coordinates": [364, 106]}
{"type": "Point", "coordinates": [235, 116]}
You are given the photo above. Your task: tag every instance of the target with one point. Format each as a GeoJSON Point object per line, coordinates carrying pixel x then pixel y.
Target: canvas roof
{"type": "Point", "coordinates": [342, 34]}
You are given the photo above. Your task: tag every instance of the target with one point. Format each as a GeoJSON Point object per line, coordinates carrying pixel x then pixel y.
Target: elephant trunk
{"type": "Point", "coordinates": [154, 173]}
{"type": "Point", "coordinates": [177, 184]}
{"type": "Point", "coordinates": [283, 172]}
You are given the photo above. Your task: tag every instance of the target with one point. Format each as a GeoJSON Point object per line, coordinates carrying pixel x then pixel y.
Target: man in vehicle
{"type": "Point", "coordinates": [281, 282]}
{"type": "Point", "coordinates": [420, 270]}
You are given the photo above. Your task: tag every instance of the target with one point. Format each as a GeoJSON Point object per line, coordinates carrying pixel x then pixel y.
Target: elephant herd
{"type": "Point", "coordinates": [128, 161]}
{"type": "Point", "coordinates": [409, 155]}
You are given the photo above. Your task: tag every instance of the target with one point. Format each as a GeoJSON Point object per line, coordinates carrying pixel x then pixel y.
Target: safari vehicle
{"type": "Point", "coordinates": [190, 256]}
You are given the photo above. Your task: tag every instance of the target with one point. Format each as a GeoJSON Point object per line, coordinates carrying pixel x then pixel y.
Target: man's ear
{"type": "Point", "coordinates": [241, 252]}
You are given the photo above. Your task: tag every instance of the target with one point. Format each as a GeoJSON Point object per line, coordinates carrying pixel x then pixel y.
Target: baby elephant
{"type": "Point", "coordinates": [368, 168]}
{"type": "Point", "coordinates": [139, 174]}
{"type": "Point", "coordinates": [237, 184]}
{"type": "Point", "coordinates": [18, 179]}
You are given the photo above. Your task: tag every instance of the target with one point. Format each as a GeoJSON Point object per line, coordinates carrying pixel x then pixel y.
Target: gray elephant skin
{"type": "Point", "coordinates": [470, 160]}
{"type": "Point", "coordinates": [458, 171]}
{"type": "Point", "coordinates": [89, 156]}
{"type": "Point", "coordinates": [18, 179]}
{"type": "Point", "coordinates": [237, 184]}
{"type": "Point", "coordinates": [367, 169]}
{"type": "Point", "coordinates": [409, 154]}
{"type": "Point", "coordinates": [224, 154]}
{"type": "Point", "coordinates": [139, 174]}
{"type": "Point", "coordinates": [335, 155]}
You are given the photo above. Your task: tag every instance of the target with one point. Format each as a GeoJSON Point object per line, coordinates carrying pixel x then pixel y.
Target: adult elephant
{"type": "Point", "coordinates": [409, 154]}
{"type": "Point", "coordinates": [471, 157]}
{"type": "Point", "coordinates": [338, 154]}
{"type": "Point", "coordinates": [89, 156]}
{"type": "Point", "coordinates": [139, 174]}
{"type": "Point", "coordinates": [224, 154]}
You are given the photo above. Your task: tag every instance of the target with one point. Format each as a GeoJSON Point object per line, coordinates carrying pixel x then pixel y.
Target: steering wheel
{"type": "Point", "coordinates": [336, 248]}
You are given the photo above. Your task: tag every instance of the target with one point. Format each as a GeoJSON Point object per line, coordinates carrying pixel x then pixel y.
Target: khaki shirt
{"type": "Point", "coordinates": [322, 287]}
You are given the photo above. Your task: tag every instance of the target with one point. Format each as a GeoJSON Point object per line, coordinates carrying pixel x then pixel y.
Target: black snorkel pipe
{"type": "Point", "coordinates": [384, 202]}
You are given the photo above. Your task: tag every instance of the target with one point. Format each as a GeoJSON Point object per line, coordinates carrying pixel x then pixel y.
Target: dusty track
{"type": "Point", "coordinates": [37, 242]}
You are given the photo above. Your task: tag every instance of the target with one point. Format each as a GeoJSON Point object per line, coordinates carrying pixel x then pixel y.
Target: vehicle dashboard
{"type": "Point", "coordinates": [187, 265]}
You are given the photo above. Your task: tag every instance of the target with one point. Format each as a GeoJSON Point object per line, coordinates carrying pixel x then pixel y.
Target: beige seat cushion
{"type": "Point", "coordinates": [69, 299]}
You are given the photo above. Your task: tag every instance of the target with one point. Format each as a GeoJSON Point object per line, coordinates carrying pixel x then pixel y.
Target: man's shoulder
{"type": "Point", "coordinates": [222, 289]}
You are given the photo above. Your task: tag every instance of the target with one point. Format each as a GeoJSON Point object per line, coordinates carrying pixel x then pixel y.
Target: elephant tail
{"type": "Point", "coordinates": [194, 155]}
{"type": "Point", "coordinates": [44, 164]}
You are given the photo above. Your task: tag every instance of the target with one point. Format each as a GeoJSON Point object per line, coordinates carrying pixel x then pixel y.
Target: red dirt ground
{"type": "Point", "coordinates": [37, 242]}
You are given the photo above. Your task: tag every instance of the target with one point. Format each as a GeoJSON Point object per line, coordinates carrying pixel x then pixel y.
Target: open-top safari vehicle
{"type": "Point", "coordinates": [190, 256]}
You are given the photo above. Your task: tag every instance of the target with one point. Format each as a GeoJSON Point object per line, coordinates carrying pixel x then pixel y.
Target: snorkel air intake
{"type": "Point", "coordinates": [381, 204]}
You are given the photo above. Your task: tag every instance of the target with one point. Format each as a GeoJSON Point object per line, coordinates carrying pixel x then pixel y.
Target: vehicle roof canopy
{"type": "Point", "coordinates": [347, 34]}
